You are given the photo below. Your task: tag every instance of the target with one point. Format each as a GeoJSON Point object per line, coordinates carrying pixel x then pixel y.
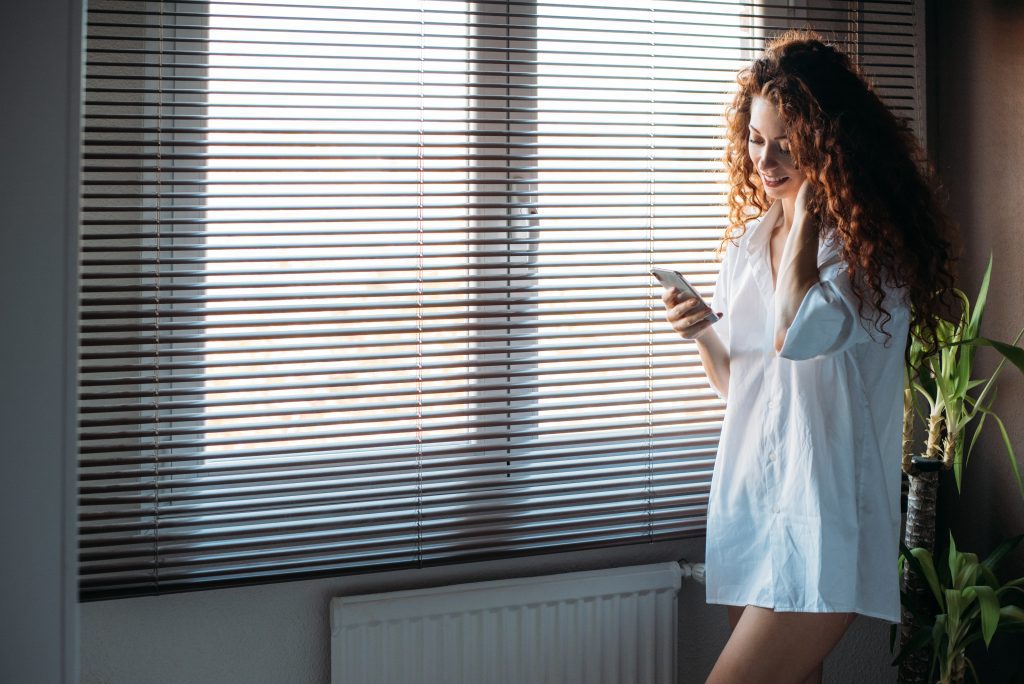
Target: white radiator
{"type": "Point", "coordinates": [602, 627]}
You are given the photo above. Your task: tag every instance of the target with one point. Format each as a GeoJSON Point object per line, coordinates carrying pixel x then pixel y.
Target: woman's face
{"type": "Point", "coordinates": [768, 148]}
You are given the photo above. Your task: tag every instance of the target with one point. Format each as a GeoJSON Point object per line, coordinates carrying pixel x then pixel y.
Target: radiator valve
{"type": "Point", "coordinates": [692, 571]}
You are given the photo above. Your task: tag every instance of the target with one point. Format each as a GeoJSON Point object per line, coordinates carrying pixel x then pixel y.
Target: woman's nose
{"type": "Point", "coordinates": [768, 160]}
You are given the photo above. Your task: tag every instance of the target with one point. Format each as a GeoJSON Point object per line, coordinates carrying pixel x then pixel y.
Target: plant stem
{"type": "Point", "coordinates": [933, 448]}
{"type": "Point", "coordinates": [958, 669]}
{"type": "Point", "coordinates": [908, 427]}
{"type": "Point", "coordinates": [949, 447]}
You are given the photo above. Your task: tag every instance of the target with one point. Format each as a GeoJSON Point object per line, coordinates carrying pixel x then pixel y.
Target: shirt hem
{"type": "Point", "coordinates": [790, 609]}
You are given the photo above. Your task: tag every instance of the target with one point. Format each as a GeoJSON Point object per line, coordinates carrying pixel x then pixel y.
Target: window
{"type": "Point", "coordinates": [368, 287]}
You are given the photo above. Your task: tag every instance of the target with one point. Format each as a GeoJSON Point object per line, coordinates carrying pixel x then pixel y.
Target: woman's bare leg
{"type": "Point", "coordinates": [736, 612]}
{"type": "Point", "coordinates": [778, 648]}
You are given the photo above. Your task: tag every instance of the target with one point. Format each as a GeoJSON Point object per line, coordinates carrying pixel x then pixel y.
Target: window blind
{"type": "Point", "coordinates": [368, 287]}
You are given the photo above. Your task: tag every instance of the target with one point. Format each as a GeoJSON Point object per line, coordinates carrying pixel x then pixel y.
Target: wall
{"type": "Point", "coordinates": [278, 634]}
{"type": "Point", "coordinates": [976, 74]}
{"type": "Point", "coordinates": [39, 74]}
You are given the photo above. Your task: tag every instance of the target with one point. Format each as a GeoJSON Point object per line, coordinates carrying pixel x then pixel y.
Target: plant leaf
{"type": "Point", "coordinates": [954, 559]}
{"type": "Point", "coordinates": [995, 558]}
{"type": "Point", "coordinates": [1012, 614]}
{"type": "Point", "coordinates": [974, 672]}
{"type": "Point", "coordinates": [1013, 354]}
{"type": "Point", "coordinates": [979, 302]}
{"type": "Point", "coordinates": [990, 613]}
{"type": "Point", "coordinates": [981, 423]}
{"type": "Point", "coordinates": [954, 607]}
{"type": "Point", "coordinates": [1009, 450]}
{"type": "Point", "coordinates": [921, 563]}
{"type": "Point", "coordinates": [988, 576]}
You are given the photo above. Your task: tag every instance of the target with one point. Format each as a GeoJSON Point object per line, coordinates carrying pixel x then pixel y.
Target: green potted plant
{"type": "Point", "coordinates": [940, 381]}
{"type": "Point", "coordinates": [969, 604]}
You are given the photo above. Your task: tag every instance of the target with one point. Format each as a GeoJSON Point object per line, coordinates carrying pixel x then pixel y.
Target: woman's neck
{"type": "Point", "coordinates": [788, 210]}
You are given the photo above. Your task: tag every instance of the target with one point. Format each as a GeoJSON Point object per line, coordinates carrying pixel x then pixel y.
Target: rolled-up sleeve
{"type": "Point", "coordinates": [827, 321]}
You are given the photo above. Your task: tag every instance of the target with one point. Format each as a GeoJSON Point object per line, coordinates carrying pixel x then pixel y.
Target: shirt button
{"type": "Point", "coordinates": [771, 455]}
{"type": "Point", "coordinates": [775, 509]}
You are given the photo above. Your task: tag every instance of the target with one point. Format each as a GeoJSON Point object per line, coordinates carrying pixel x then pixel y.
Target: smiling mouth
{"type": "Point", "coordinates": [772, 181]}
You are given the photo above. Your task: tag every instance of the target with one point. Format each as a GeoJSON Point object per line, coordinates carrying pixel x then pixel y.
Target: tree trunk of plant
{"type": "Point", "coordinates": [920, 531]}
{"type": "Point", "coordinates": [958, 669]}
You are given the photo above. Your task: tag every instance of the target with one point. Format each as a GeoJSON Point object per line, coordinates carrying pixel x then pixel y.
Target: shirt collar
{"type": "Point", "coordinates": [761, 231]}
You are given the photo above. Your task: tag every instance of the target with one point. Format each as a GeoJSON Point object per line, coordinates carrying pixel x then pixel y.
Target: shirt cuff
{"type": "Point", "coordinates": [821, 326]}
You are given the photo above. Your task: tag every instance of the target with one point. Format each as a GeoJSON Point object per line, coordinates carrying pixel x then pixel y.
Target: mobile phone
{"type": "Point", "coordinates": [677, 280]}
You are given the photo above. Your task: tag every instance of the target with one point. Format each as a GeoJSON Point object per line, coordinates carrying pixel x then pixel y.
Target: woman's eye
{"type": "Point", "coordinates": [756, 141]}
{"type": "Point", "coordinates": [784, 150]}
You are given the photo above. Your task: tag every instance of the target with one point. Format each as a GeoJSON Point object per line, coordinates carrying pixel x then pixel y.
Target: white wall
{"type": "Point", "coordinates": [40, 58]}
{"type": "Point", "coordinates": [279, 633]}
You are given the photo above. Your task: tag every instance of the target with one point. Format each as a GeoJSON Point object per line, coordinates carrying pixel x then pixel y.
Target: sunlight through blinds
{"type": "Point", "coordinates": [368, 287]}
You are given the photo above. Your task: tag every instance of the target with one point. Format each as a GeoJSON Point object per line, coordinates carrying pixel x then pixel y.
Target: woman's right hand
{"type": "Point", "coordinates": [687, 316]}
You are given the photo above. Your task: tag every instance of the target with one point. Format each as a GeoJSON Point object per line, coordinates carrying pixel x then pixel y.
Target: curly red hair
{"type": "Point", "coordinates": [872, 185]}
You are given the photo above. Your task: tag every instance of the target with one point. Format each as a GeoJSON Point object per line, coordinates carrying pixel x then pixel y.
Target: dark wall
{"type": "Point", "coordinates": [975, 57]}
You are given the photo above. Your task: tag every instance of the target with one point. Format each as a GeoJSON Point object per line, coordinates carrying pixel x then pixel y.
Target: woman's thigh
{"type": "Point", "coordinates": [777, 648]}
{"type": "Point", "coordinates": [735, 612]}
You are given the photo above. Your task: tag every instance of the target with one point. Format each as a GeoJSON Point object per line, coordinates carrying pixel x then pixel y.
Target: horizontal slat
{"type": "Point", "coordinates": [411, 384]}
{"type": "Point", "coordinates": [411, 362]}
{"type": "Point", "coordinates": [355, 556]}
{"type": "Point", "coordinates": [514, 304]}
{"type": "Point", "coordinates": [120, 586]}
{"type": "Point", "coordinates": [698, 22]}
{"type": "Point", "coordinates": [271, 191]}
{"type": "Point", "coordinates": [225, 518]}
{"type": "Point", "coordinates": [337, 149]}
{"type": "Point", "coordinates": [414, 406]}
{"type": "Point", "coordinates": [525, 317]}
{"type": "Point", "coordinates": [482, 440]}
{"type": "Point", "coordinates": [299, 467]}
{"type": "Point", "coordinates": [150, 403]}
{"type": "Point", "coordinates": [515, 211]}
{"type": "Point", "coordinates": [568, 517]}
{"type": "Point", "coordinates": [610, 268]}
{"type": "Point", "coordinates": [619, 90]}
{"type": "Point", "coordinates": [464, 356]}
{"type": "Point", "coordinates": [561, 421]}
{"type": "Point", "coordinates": [288, 292]}
{"type": "Point", "coordinates": [391, 491]}
{"type": "Point", "coordinates": [682, 15]}
{"type": "Point", "coordinates": [564, 328]}
{"type": "Point", "coordinates": [354, 541]}
{"type": "Point", "coordinates": [365, 535]}
{"type": "Point", "coordinates": [695, 7]}
{"type": "Point", "coordinates": [617, 336]}
{"type": "Point", "coordinates": [433, 518]}
{"type": "Point", "coordinates": [347, 103]}
{"type": "Point", "coordinates": [634, 43]}
{"type": "Point", "coordinates": [458, 417]}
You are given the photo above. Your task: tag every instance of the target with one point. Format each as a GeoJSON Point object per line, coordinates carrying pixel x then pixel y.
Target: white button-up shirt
{"type": "Point", "coordinates": [804, 510]}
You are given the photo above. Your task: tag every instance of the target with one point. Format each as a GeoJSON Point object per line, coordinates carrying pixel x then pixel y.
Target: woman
{"type": "Point", "coordinates": [836, 247]}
